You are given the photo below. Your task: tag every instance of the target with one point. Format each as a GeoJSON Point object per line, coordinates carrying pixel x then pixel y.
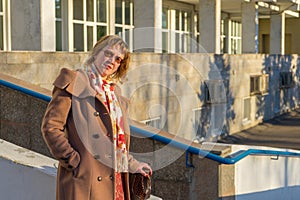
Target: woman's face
{"type": "Point", "coordinates": [108, 60]}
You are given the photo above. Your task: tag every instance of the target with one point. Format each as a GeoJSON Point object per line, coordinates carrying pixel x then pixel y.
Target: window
{"type": "Point", "coordinates": [177, 30]}
{"type": "Point", "coordinates": [89, 23]}
{"type": "Point", "coordinates": [259, 84]}
{"type": "Point", "coordinates": [215, 91]}
{"type": "Point", "coordinates": [124, 20]}
{"type": "Point", "coordinates": [286, 80]}
{"type": "Point", "coordinates": [165, 31]}
{"type": "Point", "coordinates": [58, 25]}
{"type": "Point", "coordinates": [247, 109]}
{"type": "Point", "coordinates": [235, 37]}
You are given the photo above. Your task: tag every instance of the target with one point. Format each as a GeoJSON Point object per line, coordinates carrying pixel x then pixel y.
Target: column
{"type": "Point", "coordinates": [277, 34]}
{"type": "Point", "coordinates": [249, 27]}
{"type": "Point", "coordinates": [25, 25]}
{"type": "Point", "coordinates": [147, 23]}
{"type": "Point", "coordinates": [210, 25]}
{"type": "Point", "coordinates": [48, 39]}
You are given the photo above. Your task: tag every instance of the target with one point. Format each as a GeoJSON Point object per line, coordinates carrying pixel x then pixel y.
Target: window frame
{"type": "Point", "coordinates": [6, 25]}
{"type": "Point", "coordinates": [126, 28]}
{"type": "Point", "coordinates": [259, 84]}
{"type": "Point", "coordinates": [286, 79]}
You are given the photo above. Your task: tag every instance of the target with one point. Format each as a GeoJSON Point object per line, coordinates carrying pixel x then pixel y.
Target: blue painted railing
{"type": "Point", "coordinates": [232, 159]}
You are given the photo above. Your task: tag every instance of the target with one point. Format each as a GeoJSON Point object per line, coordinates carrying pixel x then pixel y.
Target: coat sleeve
{"type": "Point", "coordinates": [53, 129]}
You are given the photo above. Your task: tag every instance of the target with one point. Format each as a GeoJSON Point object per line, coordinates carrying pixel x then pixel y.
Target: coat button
{"type": "Point", "coordinates": [96, 136]}
{"type": "Point", "coordinates": [111, 177]}
{"type": "Point", "coordinates": [99, 178]}
{"type": "Point", "coordinates": [96, 114]}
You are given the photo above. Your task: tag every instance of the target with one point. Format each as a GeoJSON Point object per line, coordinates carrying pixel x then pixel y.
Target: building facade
{"type": "Point", "coordinates": [212, 26]}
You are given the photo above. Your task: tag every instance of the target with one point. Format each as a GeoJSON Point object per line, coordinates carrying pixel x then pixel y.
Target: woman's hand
{"type": "Point", "coordinates": [144, 169]}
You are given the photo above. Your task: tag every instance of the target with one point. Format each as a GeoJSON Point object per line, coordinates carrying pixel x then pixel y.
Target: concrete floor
{"type": "Point", "coordinates": [282, 131]}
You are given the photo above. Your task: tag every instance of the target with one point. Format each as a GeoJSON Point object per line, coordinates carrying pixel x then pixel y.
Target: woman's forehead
{"type": "Point", "coordinates": [116, 49]}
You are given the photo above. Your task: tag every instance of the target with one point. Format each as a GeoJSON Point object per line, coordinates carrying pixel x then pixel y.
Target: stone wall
{"type": "Point", "coordinates": [21, 116]}
{"type": "Point", "coordinates": [170, 88]}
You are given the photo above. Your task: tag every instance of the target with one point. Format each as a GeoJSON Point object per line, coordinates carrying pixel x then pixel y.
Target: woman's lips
{"type": "Point", "coordinates": [107, 67]}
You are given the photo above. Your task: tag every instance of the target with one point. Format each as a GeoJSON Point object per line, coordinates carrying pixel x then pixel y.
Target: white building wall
{"type": "Point", "coordinates": [267, 177]}
{"type": "Point", "coordinates": [25, 174]}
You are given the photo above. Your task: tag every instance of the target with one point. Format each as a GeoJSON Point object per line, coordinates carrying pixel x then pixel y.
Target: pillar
{"type": "Point", "coordinates": [147, 23]}
{"type": "Point", "coordinates": [249, 27]}
{"type": "Point", "coordinates": [210, 25]}
{"type": "Point", "coordinates": [48, 39]}
{"type": "Point", "coordinates": [277, 34]}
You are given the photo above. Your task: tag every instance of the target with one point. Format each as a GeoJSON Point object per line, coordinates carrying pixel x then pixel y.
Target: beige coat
{"type": "Point", "coordinates": [78, 131]}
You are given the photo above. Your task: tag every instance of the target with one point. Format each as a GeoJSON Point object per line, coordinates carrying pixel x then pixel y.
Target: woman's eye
{"type": "Point", "coordinates": [108, 54]}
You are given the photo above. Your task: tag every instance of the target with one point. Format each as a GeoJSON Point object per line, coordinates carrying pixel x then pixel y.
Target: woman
{"type": "Point", "coordinates": [86, 128]}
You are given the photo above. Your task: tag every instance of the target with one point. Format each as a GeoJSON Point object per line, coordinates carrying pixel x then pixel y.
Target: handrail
{"type": "Point", "coordinates": [207, 154]}
{"type": "Point", "coordinates": [25, 90]}
{"type": "Point", "coordinates": [227, 160]}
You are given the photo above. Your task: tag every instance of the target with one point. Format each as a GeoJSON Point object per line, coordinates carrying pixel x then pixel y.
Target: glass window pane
{"type": "Point", "coordinates": [165, 40]}
{"type": "Point", "coordinates": [177, 20]}
{"type": "Point", "coordinates": [1, 9]}
{"type": "Point", "coordinates": [119, 31]}
{"type": "Point", "coordinates": [90, 37]}
{"type": "Point", "coordinates": [101, 10]}
{"type": "Point", "coordinates": [183, 21]}
{"type": "Point", "coordinates": [90, 10]}
{"type": "Point", "coordinates": [127, 36]}
{"type": "Point", "coordinates": [1, 33]}
{"type": "Point", "coordinates": [78, 37]}
{"type": "Point", "coordinates": [118, 11]}
{"type": "Point", "coordinates": [78, 9]}
{"type": "Point", "coordinates": [165, 18]}
{"type": "Point", "coordinates": [177, 42]}
{"type": "Point", "coordinates": [58, 36]}
{"type": "Point", "coordinates": [127, 12]}
{"type": "Point", "coordinates": [57, 8]}
{"type": "Point", "coordinates": [101, 31]}
{"type": "Point", "coordinates": [188, 21]}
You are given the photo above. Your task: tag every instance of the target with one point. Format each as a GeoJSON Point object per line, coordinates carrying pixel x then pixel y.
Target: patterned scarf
{"type": "Point", "coordinates": [105, 89]}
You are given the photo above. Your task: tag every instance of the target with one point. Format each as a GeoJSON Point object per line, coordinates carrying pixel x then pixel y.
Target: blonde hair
{"type": "Point", "coordinates": [111, 41]}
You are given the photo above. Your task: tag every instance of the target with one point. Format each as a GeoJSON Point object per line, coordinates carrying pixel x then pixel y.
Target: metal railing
{"type": "Point", "coordinates": [231, 159]}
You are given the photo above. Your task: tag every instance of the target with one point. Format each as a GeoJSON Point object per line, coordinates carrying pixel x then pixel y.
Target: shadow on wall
{"type": "Point", "coordinates": [217, 113]}
{"type": "Point", "coordinates": [282, 93]}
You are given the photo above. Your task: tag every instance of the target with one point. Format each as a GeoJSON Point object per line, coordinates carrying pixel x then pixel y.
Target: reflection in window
{"type": "Point", "coordinates": [178, 40]}
{"type": "Point", "coordinates": [78, 9]}
{"type": "Point", "coordinates": [58, 25]}
{"type": "Point", "coordinates": [124, 20]}
{"type": "Point", "coordinates": [58, 36]}
{"type": "Point", "coordinates": [95, 22]}
{"type": "Point", "coordinates": [118, 11]}
{"type": "Point", "coordinates": [78, 37]}
{"type": "Point", "coordinates": [90, 37]}
{"type": "Point", "coordinates": [101, 8]}
{"type": "Point", "coordinates": [90, 10]}
{"type": "Point", "coordinates": [57, 8]}
{"type": "Point", "coordinates": [101, 31]}
{"type": "Point", "coordinates": [165, 18]}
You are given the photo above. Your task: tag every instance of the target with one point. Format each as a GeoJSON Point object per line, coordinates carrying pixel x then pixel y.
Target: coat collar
{"type": "Point", "coordinates": [77, 83]}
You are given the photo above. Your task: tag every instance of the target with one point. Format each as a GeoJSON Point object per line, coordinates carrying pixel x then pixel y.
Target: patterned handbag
{"type": "Point", "coordinates": [140, 186]}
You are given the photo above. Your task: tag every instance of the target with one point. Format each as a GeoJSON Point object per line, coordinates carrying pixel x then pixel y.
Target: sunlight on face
{"type": "Point", "coordinates": [108, 60]}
